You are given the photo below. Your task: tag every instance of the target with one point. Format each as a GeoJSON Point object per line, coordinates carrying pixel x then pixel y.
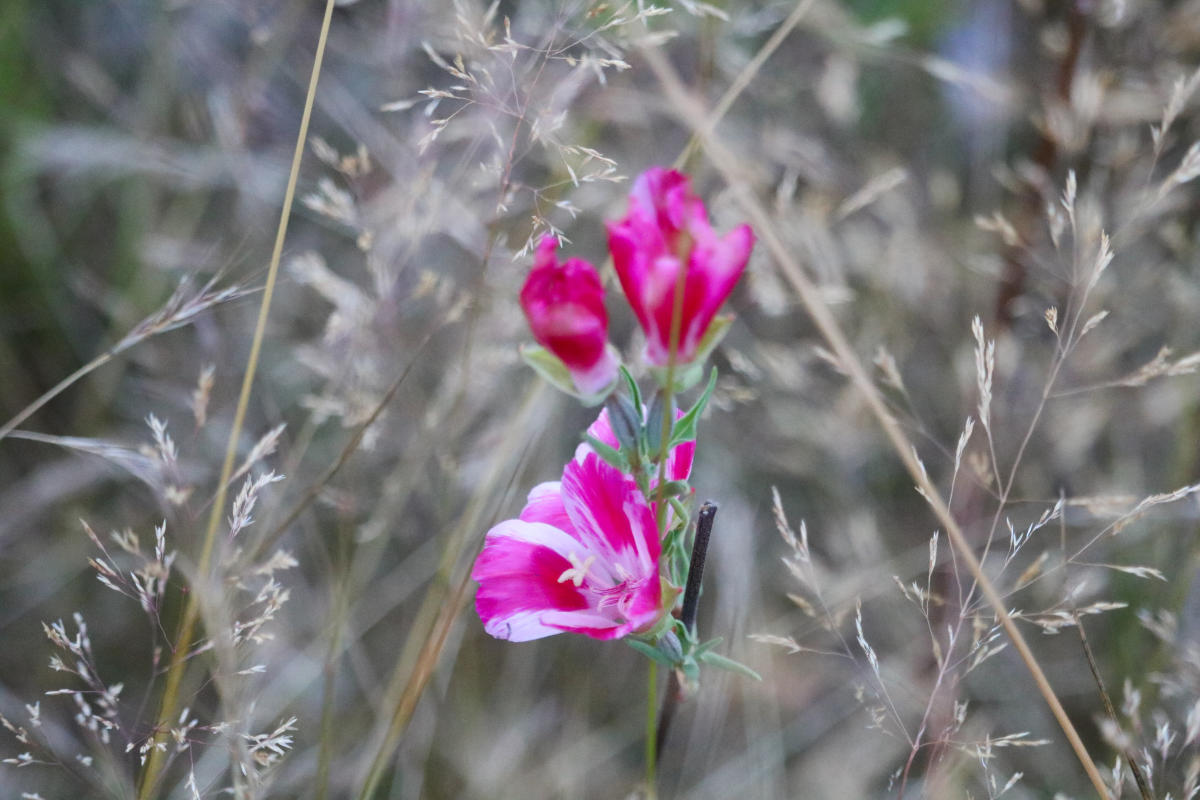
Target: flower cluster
{"type": "Point", "coordinates": [602, 550]}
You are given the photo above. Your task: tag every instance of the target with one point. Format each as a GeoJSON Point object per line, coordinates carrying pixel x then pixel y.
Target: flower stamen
{"type": "Point", "coordinates": [578, 570]}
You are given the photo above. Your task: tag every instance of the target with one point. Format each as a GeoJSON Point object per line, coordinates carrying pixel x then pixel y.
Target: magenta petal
{"type": "Point", "coordinates": [583, 558]}
{"type": "Point", "coordinates": [665, 227]}
{"type": "Point", "coordinates": [679, 462]}
{"type": "Point", "coordinates": [611, 517]}
{"type": "Point", "coordinates": [545, 505]}
{"type": "Point", "coordinates": [564, 304]}
{"type": "Point", "coordinates": [518, 573]}
{"type": "Point", "coordinates": [602, 430]}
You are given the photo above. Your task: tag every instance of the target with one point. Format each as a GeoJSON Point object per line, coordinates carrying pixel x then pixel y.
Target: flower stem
{"type": "Point", "coordinates": [651, 729]}
{"type": "Point", "coordinates": [668, 421]}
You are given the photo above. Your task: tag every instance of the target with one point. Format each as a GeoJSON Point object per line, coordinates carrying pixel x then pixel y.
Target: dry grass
{"type": "Point", "coordinates": [977, 277]}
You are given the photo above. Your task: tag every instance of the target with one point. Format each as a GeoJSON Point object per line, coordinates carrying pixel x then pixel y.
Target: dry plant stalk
{"type": "Point", "coordinates": [170, 698]}
{"type": "Point", "coordinates": [725, 161]}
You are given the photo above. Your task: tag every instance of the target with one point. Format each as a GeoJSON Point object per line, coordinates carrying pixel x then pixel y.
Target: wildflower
{"type": "Point", "coordinates": [564, 304]}
{"type": "Point", "coordinates": [583, 557]}
{"type": "Point", "coordinates": [666, 230]}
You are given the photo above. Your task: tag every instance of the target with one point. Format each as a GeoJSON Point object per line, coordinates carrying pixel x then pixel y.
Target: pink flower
{"type": "Point", "coordinates": [582, 557]}
{"type": "Point", "coordinates": [564, 304]}
{"type": "Point", "coordinates": [665, 230]}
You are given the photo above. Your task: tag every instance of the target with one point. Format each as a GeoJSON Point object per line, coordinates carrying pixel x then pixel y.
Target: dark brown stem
{"type": "Point", "coordinates": [687, 615]}
{"type": "Point", "coordinates": [1130, 756]}
{"type": "Point", "coordinates": [691, 595]}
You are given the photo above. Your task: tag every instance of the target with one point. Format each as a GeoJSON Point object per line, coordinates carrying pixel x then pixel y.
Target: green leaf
{"type": "Point", "coordinates": [650, 651]}
{"type": "Point", "coordinates": [685, 427]}
{"type": "Point", "coordinates": [721, 662]}
{"type": "Point", "coordinates": [613, 457]}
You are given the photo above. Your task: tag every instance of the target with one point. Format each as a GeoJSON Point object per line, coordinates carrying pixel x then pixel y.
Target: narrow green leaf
{"type": "Point", "coordinates": [685, 427]}
{"type": "Point", "coordinates": [650, 651]}
{"type": "Point", "coordinates": [634, 392]}
{"type": "Point", "coordinates": [612, 457]}
{"type": "Point", "coordinates": [721, 662]}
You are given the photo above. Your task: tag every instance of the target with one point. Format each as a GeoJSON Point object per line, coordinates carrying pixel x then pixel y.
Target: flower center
{"type": "Point", "coordinates": [620, 594]}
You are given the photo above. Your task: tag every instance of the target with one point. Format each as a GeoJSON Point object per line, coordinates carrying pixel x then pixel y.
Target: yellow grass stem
{"type": "Point", "coordinates": [444, 599]}
{"type": "Point", "coordinates": [692, 114]}
{"type": "Point", "coordinates": [170, 699]}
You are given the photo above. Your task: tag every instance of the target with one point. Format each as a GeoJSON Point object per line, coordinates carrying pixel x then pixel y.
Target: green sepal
{"type": "Point", "coordinates": [669, 646]}
{"type": "Point", "coordinates": [688, 375]}
{"type": "Point", "coordinates": [555, 373]}
{"type": "Point", "coordinates": [684, 428]}
{"type": "Point", "coordinates": [654, 423]}
{"type": "Point", "coordinates": [626, 424]}
{"type": "Point", "coordinates": [609, 455]}
{"type": "Point", "coordinates": [712, 337]}
{"type": "Point", "coordinates": [721, 662]}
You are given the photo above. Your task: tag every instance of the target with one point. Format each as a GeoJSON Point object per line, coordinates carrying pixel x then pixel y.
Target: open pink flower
{"type": "Point", "coordinates": [564, 304]}
{"type": "Point", "coordinates": [666, 230]}
{"type": "Point", "coordinates": [582, 557]}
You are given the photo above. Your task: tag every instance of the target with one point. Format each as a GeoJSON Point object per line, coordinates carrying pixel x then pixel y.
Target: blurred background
{"type": "Point", "coordinates": [926, 162]}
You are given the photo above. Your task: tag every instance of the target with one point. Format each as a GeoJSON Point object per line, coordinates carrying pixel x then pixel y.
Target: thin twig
{"type": "Point", "coordinates": [170, 700]}
{"type": "Point", "coordinates": [351, 446]}
{"type": "Point", "coordinates": [1130, 756]}
{"type": "Point", "coordinates": [725, 162]}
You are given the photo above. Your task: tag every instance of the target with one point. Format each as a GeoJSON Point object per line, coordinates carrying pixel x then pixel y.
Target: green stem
{"type": "Point", "coordinates": [664, 451]}
{"type": "Point", "coordinates": [651, 729]}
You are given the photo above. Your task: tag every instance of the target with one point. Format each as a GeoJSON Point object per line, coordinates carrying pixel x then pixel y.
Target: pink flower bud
{"type": "Point", "coordinates": [666, 230]}
{"type": "Point", "coordinates": [564, 304]}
